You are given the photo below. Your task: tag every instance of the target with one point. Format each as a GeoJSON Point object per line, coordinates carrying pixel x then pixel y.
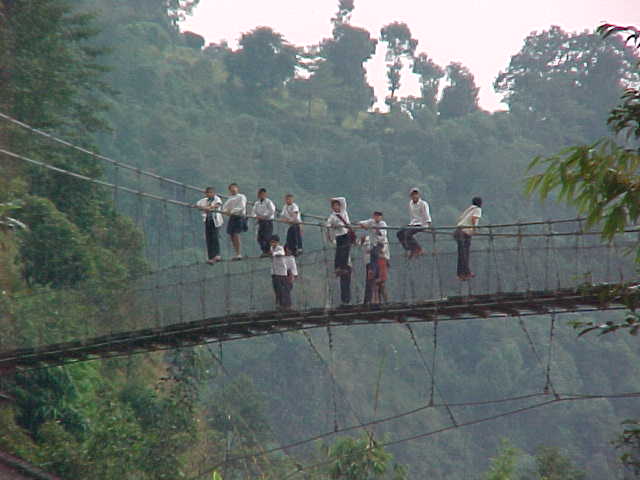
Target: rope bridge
{"type": "Point", "coordinates": [521, 268]}
{"type": "Point", "coordinates": [528, 269]}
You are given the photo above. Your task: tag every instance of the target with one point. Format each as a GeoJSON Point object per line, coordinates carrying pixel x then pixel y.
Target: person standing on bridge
{"type": "Point", "coordinates": [340, 232]}
{"type": "Point", "coordinates": [377, 265]}
{"type": "Point", "coordinates": [466, 228]}
{"type": "Point", "coordinates": [283, 272]}
{"type": "Point", "coordinates": [236, 208]}
{"type": "Point", "coordinates": [264, 212]}
{"type": "Point", "coordinates": [212, 222]}
{"type": "Point", "coordinates": [419, 221]}
{"type": "Point", "coordinates": [291, 214]}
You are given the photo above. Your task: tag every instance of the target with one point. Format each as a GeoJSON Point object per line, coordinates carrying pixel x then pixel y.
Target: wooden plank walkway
{"type": "Point", "coordinates": [237, 326]}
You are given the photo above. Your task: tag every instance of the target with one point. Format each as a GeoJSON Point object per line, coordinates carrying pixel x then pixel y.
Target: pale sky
{"type": "Point", "coordinates": [481, 34]}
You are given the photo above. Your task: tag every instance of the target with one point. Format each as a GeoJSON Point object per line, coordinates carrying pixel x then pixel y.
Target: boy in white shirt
{"type": "Point", "coordinates": [264, 212]}
{"type": "Point", "coordinates": [283, 272]}
{"type": "Point", "coordinates": [467, 223]}
{"type": "Point", "coordinates": [419, 221]}
{"type": "Point", "coordinates": [340, 232]}
{"type": "Point", "coordinates": [291, 214]}
{"type": "Point", "coordinates": [236, 208]}
{"type": "Point", "coordinates": [212, 221]}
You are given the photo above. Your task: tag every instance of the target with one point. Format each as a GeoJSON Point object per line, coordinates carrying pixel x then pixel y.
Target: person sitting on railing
{"type": "Point", "coordinates": [212, 221]}
{"type": "Point", "coordinates": [291, 214]}
{"type": "Point", "coordinates": [236, 208]}
{"type": "Point", "coordinates": [340, 232]}
{"type": "Point", "coordinates": [377, 244]}
{"type": "Point", "coordinates": [466, 227]}
{"type": "Point", "coordinates": [419, 221]}
{"type": "Point", "coordinates": [283, 272]}
{"type": "Point", "coordinates": [264, 212]}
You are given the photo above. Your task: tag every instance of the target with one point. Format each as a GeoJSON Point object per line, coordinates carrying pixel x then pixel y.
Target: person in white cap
{"type": "Point", "coordinates": [419, 221]}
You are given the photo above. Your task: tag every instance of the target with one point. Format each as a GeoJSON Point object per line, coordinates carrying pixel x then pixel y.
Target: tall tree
{"type": "Point", "coordinates": [340, 77]}
{"type": "Point", "coordinates": [400, 44]}
{"type": "Point", "coordinates": [430, 74]}
{"type": "Point", "coordinates": [567, 78]}
{"type": "Point", "coordinates": [263, 62]}
{"type": "Point", "coordinates": [460, 97]}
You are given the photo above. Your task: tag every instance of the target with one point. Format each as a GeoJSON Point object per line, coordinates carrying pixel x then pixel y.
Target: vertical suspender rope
{"type": "Point", "coordinates": [523, 259]}
{"type": "Point", "coordinates": [430, 371]}
{"type": "Point", "coordinates": [548, 383]}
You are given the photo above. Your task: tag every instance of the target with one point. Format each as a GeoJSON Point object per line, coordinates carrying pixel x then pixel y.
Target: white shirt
{"type": "Point", "coordinates": [235, 205]}
{"type": "Point", "coordinates": [334, 221]}
{"type": "Point", "coordinates": [281, 263]}
{"type": "Point", "coordinates": [419, 213]}
{"type": "Point", "coordinates": [290, 262]}
{"type": "Point", "coordinates": [264, 208]}
{"type": "Point", "coordinates": [291, 213]}
{"type": "Point", "coordinates": [377, 236]}
{"type": "Point", "coordinates": [466, 219]}
{"type": "Point", "coordinates": [216, 202]}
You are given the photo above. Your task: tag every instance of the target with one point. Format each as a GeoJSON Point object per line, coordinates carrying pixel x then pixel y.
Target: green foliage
{"type": "Point", "coordinates": [53, 249]}
{"type": "Point", "coordinates": [629, 443]}
{"type": "Point", "coordinates": [460, 97]}
{"type": "Point", "coordinates": [602, 180]}
{"type": "Point", "coordinates": [400, 44]}
{"type": "Point", "coordinates": [504, 465]}
{"type": "Point", "coordinates": [560, 76]}
{"type": "Point", "coordinates": [361, 459]}
{"type": "Point", "coordinates": [552, 465]}
{"type": "Point", "coordinates": [47, 55]}
{"type": "Point", "coordinates": [263, 62]}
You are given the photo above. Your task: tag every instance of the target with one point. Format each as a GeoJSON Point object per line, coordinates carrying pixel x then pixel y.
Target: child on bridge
{"type": "Point", "coordinates": [283, 272]}
{"type": "Point", "coordinates": [212, 222]}
{"type": "Point", "coordinates": [419, 221]}
{"type": "Point", "coordinates": [236, 208]}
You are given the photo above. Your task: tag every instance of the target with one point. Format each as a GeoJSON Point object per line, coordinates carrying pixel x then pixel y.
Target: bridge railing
{"type": "Point", "coordinates": [513, 258]}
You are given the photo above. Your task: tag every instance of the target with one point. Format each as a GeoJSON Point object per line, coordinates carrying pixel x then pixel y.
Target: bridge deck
{"type": "Point", "coordinates": [231, 327]}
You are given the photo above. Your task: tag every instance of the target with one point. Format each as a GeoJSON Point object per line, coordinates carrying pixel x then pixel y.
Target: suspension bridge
{"type": "Point", "coordinates": [524, 268]}
{"type": "Point", "coordinates": [534, 269]}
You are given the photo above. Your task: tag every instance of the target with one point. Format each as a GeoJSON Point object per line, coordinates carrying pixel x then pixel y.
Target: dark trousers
{"type": "Point", "coordinates": [211, 238]}
{"type": "Point", "coordinates": [265, 232]}
{"type": "Point", "coordinates": [282, 288]}
{"type": "Point", "coordinates": [345, 286]}
{"type": "Point", "coordinates": [343, 247]}
{"type": "Point", "coordinates": [464, 247]}
{"type": "Point", "coordinates": [406, 238]}
{"type": "Point", "coordinates": [294, 239]}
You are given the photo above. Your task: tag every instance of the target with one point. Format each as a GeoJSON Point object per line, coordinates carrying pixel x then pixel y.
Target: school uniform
{"type": "Point", "coordinates": [378, 245]}
{"type": "Point", "coordinates": [283, 270]}
{"type": "Point", "coordinates": [266, 209]}
{"type": "Point", "coordinates": [338, 222]}
{"type": "Point", "coordinates": [294, 233]}
{"type": "Point", "coordinates": [236, 208]}
{"type": "Point", "coordinates": [419, 220]}
{"type": "Point", "coordinates": [463, 234]}
{"type": "Point", "coordinates": [212, 222]}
